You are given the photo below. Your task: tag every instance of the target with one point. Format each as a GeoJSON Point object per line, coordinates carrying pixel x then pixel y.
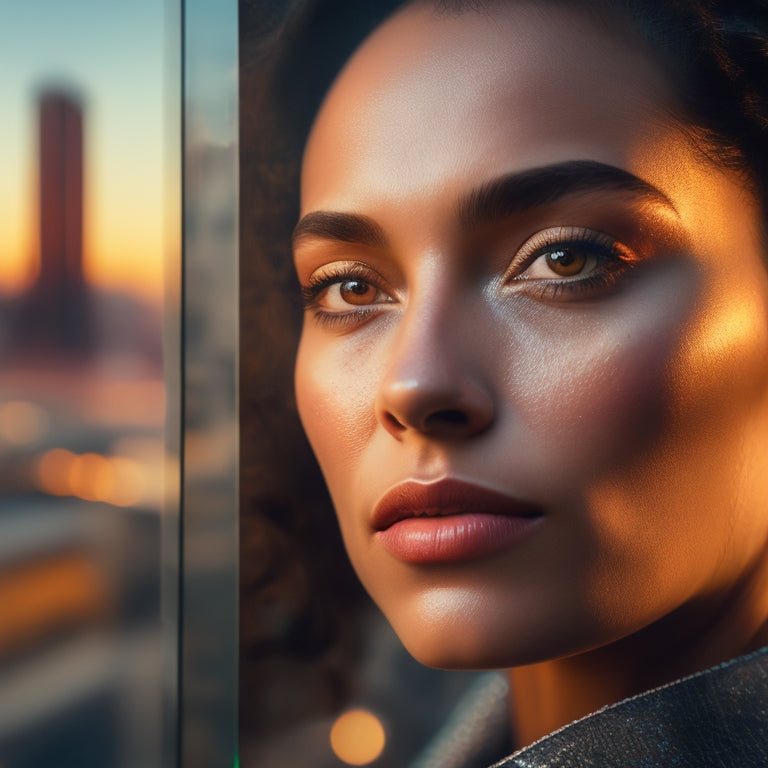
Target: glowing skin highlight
{"type": "Point", "coordinates": [521, 276]}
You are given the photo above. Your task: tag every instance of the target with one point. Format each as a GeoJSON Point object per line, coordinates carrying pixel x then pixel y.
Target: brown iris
{"type": "Point", "coordinates": [357, 292]}
{"type": "Point", "coordinates": [566, 261]}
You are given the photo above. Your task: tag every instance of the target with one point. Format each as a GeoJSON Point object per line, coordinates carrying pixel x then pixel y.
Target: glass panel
{"type": "Point", "coordinates": [210, 527]}
{"type": "Point", "coordinates": [85, 218]}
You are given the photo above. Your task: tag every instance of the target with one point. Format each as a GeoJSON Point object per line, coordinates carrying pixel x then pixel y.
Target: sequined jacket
{"type": "Point", "coordinates": [717, 718]}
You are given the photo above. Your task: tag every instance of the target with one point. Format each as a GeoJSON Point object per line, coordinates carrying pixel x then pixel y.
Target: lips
{"type": "Point", "coordinates": [450, 520]}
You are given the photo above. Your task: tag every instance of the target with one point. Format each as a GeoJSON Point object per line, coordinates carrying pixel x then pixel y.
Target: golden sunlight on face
{"type": "Point", "coordinates": [533, 365]}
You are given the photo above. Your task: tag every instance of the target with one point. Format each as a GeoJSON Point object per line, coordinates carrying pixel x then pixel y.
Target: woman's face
{"type": "Point", "coordinates": [533, 365]}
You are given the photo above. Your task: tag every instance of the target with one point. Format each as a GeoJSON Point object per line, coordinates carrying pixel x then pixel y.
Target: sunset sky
{"type": "Point", "coordinates": [111, 53]}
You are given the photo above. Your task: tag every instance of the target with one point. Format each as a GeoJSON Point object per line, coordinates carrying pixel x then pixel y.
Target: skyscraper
{"type": "Point", "coordinates": [61, 191]}
{"type": "Point", "coordinates": [56, 313]}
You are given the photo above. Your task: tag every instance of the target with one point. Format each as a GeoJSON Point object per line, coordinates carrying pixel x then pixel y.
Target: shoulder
{"type": "Point", "coordinates": [715, 717]}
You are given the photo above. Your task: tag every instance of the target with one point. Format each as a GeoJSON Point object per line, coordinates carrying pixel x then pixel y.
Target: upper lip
{"type": "Point", "coordinates": [448, 496]}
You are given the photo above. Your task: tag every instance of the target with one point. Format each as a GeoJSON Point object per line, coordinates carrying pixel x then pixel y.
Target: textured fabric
{"type": "Point", "coordinates": [477, 731]}
{"type": "Point", "coordinates": [713, 719]}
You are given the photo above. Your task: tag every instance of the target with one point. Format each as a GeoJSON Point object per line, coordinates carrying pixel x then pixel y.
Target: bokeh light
{"type": "Point", "coordinates": [38, 597]}
{"type": "Point", "coordinates": [53, 471]}
{"type": "Point", "coordinates": [118, 480]}
{"type": "Point", "coordinates": [357, 737]}
{"type": "Point", "coordinates": [90, 477]}
{"type": "Point", "coordinates": [128, 482]}
{"type": "Point", "coordinates": [22, 423]}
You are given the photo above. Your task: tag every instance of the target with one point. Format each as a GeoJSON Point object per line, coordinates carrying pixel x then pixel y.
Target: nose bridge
{"type": "Point", "coordinates": [418, 354]}
{"type": "Point", "coordinates": [435, 382]}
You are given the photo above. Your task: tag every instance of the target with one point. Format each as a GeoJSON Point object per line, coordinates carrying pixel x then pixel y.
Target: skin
{"type": "Point", "coordinates": [634, 413]}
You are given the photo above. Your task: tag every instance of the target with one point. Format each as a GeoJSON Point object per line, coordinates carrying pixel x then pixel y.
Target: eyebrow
{"type": "Point", "coordinates": [342, 227]}
{"type": "Point", "coordinates": [496, 200]}
{"type": "Point", "coordinates": [516, 193]}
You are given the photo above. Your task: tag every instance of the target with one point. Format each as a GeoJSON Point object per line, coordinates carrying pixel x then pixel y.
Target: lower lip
{"type": "Point", "coordinates": [454, 538]}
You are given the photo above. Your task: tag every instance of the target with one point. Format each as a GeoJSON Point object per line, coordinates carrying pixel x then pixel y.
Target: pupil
{"type": "Point", "coordinates": [357, 292]}
{"type": "Point", "coordinates": [567, 262]}
{"type": "Point", "coordinates": [357, 287]}
{"type": "Point", "coordinates": [562, 258]}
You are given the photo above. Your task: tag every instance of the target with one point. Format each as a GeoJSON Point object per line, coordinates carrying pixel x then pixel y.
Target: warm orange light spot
{"type": "Point", "coordinates": [22, 423]}
{"type": "Point", "coordinates": [357, 737]}
{"type": "Point", "coordinates": [118, 480]}
{"type": "Point", "coordinates": [53, 472]}
{"type": "Point", "coordinates": [37, 597]}
{"type": "Point", "coordinates": [91, 477]}
{"type": "Point", "coordinates": [128, 482]}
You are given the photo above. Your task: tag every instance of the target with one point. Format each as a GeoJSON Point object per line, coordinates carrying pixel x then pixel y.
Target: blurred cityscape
{"type": "Point", "coordinates": [82, 469]}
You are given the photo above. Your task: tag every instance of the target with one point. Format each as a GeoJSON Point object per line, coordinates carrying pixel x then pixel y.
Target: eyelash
{"type": "Point", "coordinates": [612, 260]}
{"type": "Point", "coordinates": [318, 285]}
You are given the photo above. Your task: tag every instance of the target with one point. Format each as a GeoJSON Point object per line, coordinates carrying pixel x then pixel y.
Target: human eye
{"type": "Point", "coordinates": [562, 263]}
{"type": "Point", "coordinates": [345, 293]}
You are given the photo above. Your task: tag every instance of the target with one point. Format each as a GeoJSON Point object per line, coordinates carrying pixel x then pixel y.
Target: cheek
{"type": "Point", "coordinates": [650, 416]}
{"type": "Point", "coordinates": [335, 390]}
{"type": "Point", "coordinates": [591, 385]}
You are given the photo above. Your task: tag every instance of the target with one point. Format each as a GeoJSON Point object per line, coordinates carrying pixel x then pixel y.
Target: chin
{"type": "Point", "coordinates": [442, 653]}
{"type": "Point", "coordinates": [466, 629]}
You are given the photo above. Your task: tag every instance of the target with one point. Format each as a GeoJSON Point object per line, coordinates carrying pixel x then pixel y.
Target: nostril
{"type": "Point", "coordinates": [393, 424]}
{"type": "Point", "coordinates": [448, 417]}
{"type": "Point", "coordinates": [448, 411]}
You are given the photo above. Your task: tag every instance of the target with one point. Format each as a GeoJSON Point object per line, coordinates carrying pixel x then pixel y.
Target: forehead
{"type": "Point", "coordinates": [433, 97]}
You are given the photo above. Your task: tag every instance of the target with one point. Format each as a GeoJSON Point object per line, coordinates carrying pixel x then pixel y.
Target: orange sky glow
{"type": "Point", "coordinates": [121, 88]}
{"type": "Point", "coordinates": [123, 227]}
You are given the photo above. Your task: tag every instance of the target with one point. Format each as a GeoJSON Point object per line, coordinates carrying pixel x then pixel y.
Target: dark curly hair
{"type": "Point", "coordinates": [298, 592]}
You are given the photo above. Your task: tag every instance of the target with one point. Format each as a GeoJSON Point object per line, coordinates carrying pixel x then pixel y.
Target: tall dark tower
{"type": "Point", "coordinates": [61, 191]}
{"type": "Point", "coordinates": [56, 313]}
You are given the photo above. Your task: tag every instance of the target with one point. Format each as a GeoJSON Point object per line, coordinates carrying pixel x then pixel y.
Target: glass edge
{"type": "Point", "coordinates": [209, 450]}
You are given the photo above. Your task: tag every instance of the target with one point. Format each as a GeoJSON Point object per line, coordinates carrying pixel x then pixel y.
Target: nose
{"type": "Point", "coordinates": [434, 385]}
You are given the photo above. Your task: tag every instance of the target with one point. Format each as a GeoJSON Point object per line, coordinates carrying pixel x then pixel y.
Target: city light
{"type": "Point", "coordinates": [22, 423]}
{"type": "Point", "coordinates": [117, 480]}
{"type": "Point", "coordinates": [38, 597]}
{"type": "Point", "coordinates": [357, 737]}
